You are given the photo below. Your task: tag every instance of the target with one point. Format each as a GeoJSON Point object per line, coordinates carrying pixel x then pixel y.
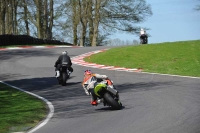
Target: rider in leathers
{"type": "Point", "coordinates": [88, 84]}
{"type": "Point", "coordinates": [63, 58]}
{"type": "Point", "coordinates": [143, 36]}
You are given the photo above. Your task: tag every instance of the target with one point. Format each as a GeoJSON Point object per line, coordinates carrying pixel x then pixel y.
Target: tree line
{"type": "Point", "coordinates": [85, 22]}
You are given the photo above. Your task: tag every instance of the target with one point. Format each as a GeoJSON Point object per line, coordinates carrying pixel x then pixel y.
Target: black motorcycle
{"type": "Point", "coordinates": [143, 39]}
{"type": "Point", "coordinates": [64, 73]}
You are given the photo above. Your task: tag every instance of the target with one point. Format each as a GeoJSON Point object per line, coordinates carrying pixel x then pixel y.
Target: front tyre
{"type": "Point", "coordinates": [111, 101]}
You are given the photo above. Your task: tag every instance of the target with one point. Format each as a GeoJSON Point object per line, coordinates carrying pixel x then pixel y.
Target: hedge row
{"type": "Point", "coordinates": [7, 40]}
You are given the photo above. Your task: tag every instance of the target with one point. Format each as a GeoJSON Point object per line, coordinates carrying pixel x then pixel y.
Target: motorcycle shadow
{"type": "Point", "coordinates": [109, 109]}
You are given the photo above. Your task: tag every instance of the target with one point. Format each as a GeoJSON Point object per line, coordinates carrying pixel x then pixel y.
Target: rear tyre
{"type": "Point", "coordinates": [141, 41]}
{"type": "Point", "coordinates": [112, 102]}
{"type": "Point", "coordinates": [64, 78]}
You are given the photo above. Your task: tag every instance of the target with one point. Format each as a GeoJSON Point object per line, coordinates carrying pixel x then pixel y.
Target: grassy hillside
{"type": "Point", "coordinates": [179, 58]}
{"type": "Point", "coordinates": [19, 111]}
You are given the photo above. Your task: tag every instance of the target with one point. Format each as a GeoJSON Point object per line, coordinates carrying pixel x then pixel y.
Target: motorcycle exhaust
{"type": "Point", "coordinates": [112, 90]}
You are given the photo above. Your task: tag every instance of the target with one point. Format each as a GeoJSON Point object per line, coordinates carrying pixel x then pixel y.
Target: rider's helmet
{"type": "Point", "coordinates": [88, 72]}
{"type": "Point", "coordinates": [142, 32]}
{"type": "Point", "coordinates": [64, 53]}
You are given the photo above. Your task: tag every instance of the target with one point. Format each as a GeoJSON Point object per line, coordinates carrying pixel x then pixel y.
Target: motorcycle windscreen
{"type": "Point", "coordinates": [98, 88]}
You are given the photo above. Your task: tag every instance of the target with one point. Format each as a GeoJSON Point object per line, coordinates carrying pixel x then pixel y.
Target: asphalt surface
{"type": "Point", "coordinates": [151, 103]}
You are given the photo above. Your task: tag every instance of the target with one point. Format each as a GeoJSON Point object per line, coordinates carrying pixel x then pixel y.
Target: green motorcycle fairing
{"type": "Point", "coordinates": [99, 87]}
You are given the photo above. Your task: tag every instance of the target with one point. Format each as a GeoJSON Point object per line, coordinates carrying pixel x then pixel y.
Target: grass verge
{"type": "Point", "coordinates": [178, 58]}
{"type": "Point", "coordinates": [19, 111]}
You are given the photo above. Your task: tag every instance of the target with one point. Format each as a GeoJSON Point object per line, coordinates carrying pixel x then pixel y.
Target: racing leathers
{"type": "Point", "coordinates": [89, 83]}
{"type": "Point", "coordinates": [143, 37]}
{"type": "Point", "coordinates": [59, 61]}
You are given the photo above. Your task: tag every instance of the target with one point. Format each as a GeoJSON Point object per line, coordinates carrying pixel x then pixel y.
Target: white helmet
{"type": "Point", "coordinates": [64, 52]}
{"type": "Point", "coordinates": [142, 29]}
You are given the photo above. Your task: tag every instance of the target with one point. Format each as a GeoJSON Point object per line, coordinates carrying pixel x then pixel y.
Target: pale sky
{"type": "Point", "coordinates": [172, 20]}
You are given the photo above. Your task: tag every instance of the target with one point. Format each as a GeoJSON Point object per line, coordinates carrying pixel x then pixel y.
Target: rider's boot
{"type": "Point", "coordinates": [57, 74]}
{"type": "Point", "coordinates": [94, 103]}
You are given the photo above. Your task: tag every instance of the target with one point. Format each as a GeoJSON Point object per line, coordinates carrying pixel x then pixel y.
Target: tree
{"type": "Point", "coordinates": [124, 15]}
{"type": "Point", "coordinates": [96, 21]}
{"type": "Point", "coordinates": [8, 16]}
{"type": "Point", "coordinates": [112, 15]}
{"type": "Point", "coordinates": [2, 15]}
{"type": "Point", "coordinates": [75, 19]}
{"type": "Point", "coordinates": [86, 21]}
{"type": "Point", "coordinates": [83, 14]}
{"type": "Point", "coordinates": [12, 17]}
{"type": "Point", "coordinates": [42, 19]}
{"type": "Point", "coordinates": [25, 18]}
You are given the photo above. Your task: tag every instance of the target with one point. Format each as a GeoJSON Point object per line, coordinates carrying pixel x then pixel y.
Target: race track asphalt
{"type": "Point", "coordinates": [152, 103]}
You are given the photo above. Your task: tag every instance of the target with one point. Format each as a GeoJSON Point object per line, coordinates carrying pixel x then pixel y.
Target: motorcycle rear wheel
{"type": "Point", "coordinates": [112, 102]}
{"type": "Point", "coordinates": [64, 78]}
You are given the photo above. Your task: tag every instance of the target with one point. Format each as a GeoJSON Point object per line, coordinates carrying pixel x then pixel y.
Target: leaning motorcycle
{"type": "Point", "coordinates": [64, 73]}
{"type": "Point", "coordinates": [107, 94]}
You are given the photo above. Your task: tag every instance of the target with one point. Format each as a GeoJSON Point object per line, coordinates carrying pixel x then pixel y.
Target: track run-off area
{"type": "Point", "coordinates": [152, 103]}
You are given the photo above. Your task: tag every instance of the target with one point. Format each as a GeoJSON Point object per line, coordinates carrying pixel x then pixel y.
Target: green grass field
{"type": "Point", "coordinates": [177, 58]}
{"type": "Point", "coordinates": [18, 110]}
